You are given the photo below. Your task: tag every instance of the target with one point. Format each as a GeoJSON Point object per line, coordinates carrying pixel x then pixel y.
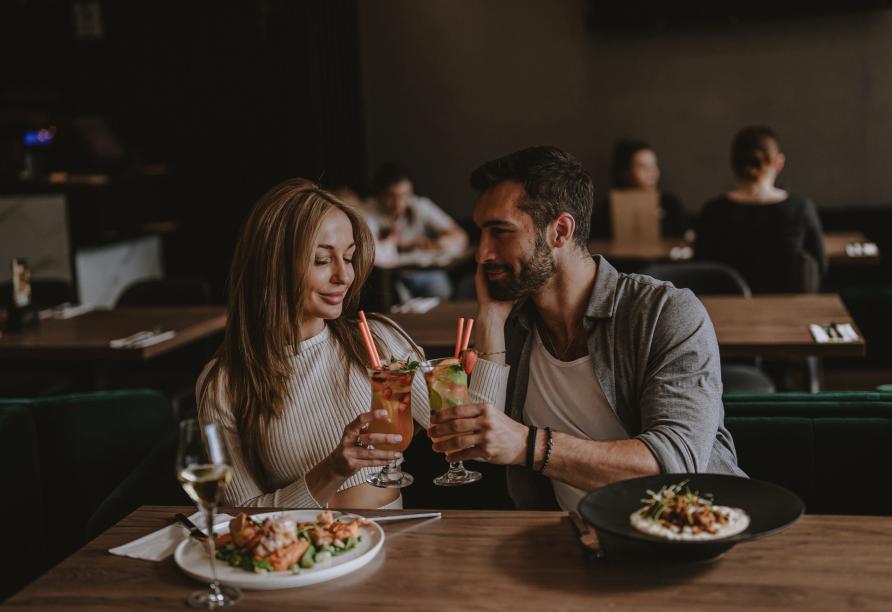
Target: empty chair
{"type": "Point", "coordinates": [710, 277]}
{"type": "Point", "coordinates": [175, 291]}
{"type": "Point", "coordinates": [701, 277]}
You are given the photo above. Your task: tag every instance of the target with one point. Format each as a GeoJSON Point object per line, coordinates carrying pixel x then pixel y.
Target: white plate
{"type": "Point", "coordinates": [192, 557]}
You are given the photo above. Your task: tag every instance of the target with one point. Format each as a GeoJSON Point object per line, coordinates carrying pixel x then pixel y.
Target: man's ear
{"type": "Point", "coordinates": [563, 227]}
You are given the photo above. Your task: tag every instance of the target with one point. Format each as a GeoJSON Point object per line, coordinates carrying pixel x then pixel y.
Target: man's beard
{"type": "Point", "coordinates": [534, 273]}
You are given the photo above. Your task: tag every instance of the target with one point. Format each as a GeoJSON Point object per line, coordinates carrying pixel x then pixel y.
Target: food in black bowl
{"type": "Point", "coordinates": [688, 517]}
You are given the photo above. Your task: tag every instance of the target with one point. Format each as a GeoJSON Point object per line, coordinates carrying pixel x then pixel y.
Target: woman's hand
{"type": "Point", "coordinates": [355, 452]}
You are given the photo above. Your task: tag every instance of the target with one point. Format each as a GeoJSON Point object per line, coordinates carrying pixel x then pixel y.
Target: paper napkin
{"type": "Point", "coordinates": [160, 544]}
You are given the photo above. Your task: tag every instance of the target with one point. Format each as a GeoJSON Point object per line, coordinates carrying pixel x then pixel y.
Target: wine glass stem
{"type": "Point", "coordinates": [215, 584]}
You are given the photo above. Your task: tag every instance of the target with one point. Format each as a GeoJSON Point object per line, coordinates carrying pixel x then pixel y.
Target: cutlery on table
{"type": "Point", "coordinates": [194, 531]}
{"type": "Point", "coordinates": [392, 518]}
{"type": "Point", "coordinates": [404, 517]}
{"type": "Point", "coordinates": [588, 537]}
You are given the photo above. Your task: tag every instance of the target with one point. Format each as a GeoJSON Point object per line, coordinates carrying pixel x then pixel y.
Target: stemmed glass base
{"type": "Point", "coordinates": [218, 596]}
{"type": "Point", "coordinates": [391, 477]}
{"type": "Point", "coordinates": [457, 475]}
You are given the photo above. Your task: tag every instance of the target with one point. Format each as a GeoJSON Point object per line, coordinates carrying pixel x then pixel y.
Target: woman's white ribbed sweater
{"type": "Point", "coordinates": [319, 404]}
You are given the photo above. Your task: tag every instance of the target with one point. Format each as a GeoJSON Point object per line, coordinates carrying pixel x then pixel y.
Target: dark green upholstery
{"type": "Point", "coordinates": [20, 481]}
{"type": "Point", "coordinates": [151, 482]}
{"type": "Point", "coordinates": [759, 442]}
{"type": "Point", "coordinates": [86, 445]}
{"type": "Point", "coordinates": [831, 448]}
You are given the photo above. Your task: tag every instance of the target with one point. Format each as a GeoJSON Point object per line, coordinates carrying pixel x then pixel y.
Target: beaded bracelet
{"type": "Point", "coordinates": [488, 354]}
{"type": "Point", "coordinates": [531, 445]}
{"type": "Point", "coordinates": [548, 445]}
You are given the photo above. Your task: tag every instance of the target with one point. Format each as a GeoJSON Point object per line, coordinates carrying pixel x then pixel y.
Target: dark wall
{"type": "Point", "coordinates": [477, 79]}
{"type": "Point", "coordinates": [234, 96]}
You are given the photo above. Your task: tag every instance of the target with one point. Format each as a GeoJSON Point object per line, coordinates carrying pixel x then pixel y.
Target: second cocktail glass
{"type": "Point", "coordinates": [447, 385]}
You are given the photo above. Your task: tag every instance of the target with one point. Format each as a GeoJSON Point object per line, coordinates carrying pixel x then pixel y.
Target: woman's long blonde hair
{"type": "Point", "coordinates": [266, 295]}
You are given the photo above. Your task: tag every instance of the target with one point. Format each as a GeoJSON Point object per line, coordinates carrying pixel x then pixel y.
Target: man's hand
{"type": "Point", "coordinates": [490, 321]}
{"type": "Point", "coordinates": [480, 432]}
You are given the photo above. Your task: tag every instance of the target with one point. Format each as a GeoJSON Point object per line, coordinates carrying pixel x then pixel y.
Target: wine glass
{"type": "Point", "coordinates": [447, 385]}
{"type": "Point", "coordinates": [204, 470]}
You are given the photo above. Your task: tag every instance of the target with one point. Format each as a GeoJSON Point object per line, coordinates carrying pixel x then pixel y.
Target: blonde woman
{"type": "Point", "coordinates": [289, 385]}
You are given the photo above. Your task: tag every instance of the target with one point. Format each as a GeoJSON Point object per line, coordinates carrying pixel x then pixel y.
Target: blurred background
{"type": "Point", "coordinates": [188, 111]}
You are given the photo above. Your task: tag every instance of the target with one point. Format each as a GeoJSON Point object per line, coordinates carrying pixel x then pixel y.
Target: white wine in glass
{"type": "Point", "coordinates": [204, 470]}
{"type": "Point", "coordinates": [205, 483]}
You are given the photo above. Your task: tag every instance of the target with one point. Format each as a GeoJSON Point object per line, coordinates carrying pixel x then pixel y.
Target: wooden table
{"type": "Point", "coordinates": [86, 337]}
{"type": "Point", "coordinates": [777, 325]}
{"type": "Point", "coordinates": [769, 325]}
{"type": "Point", "coordinates": [502, 560]}
{"type": "Point", "coordinates": [834, 244]}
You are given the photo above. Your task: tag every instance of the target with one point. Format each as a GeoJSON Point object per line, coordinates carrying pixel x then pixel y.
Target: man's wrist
{"type": "Point", "coordinates": [490, 337]}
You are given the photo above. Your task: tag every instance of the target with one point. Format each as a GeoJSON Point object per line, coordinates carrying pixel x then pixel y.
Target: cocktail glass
{"type": "Point", "coordinates": [447, 385]}
{"type": "Point", "coordinates": [392, 391]}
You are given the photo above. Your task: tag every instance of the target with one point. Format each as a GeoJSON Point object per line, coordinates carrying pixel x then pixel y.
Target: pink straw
{"type": "Point", "coordinates": [467, 335]}
{"type": "Point", "coordinates": [458, 335]}
{"type": "Point", "coordinates": [366, 333]}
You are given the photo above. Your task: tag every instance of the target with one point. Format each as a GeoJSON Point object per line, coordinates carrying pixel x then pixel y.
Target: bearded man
{"type": "Point", "coordinates": [599, 376]}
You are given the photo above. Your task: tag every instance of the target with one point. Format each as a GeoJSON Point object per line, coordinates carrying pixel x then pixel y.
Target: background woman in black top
{"type": "Point", "coordinates": [771, 236]}
{"type": "Point", "coordinates": [635, 167]}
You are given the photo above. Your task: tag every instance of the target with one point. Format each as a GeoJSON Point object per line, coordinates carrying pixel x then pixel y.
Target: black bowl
{"type": "Point", "coordinates": [770, 507]}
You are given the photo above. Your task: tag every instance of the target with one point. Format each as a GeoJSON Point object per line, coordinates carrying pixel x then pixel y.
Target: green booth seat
{"type": "Point", "coordinates": [153, 482]}
{"type": "Point", "coordinates": [86, 445]}
{"type": "Point", "coordinates": [831, 448]}
{"type": "Point", "coordinates": [23, 499]}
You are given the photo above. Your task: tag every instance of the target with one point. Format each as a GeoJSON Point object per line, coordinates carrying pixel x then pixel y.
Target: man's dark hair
{"type": "Point", "coordinates": [752, 148]}
{"type": "Point", "coordinates": [621, 164]}
{"type": "Point", "coordinates": [388, 174]}
{"type": "Point", "coordinates": [554, 181]}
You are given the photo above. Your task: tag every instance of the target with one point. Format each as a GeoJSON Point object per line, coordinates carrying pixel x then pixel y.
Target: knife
{"type": "Point", "coordinates": [194, 531]}
{"type": "Point", "coordinates": [404, 517]}
{"type": "Point", "coordinates": [587, 536]}
{"type": "Point", "coordinates": [397, 517]}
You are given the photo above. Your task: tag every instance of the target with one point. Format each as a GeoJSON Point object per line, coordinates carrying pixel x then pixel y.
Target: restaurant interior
{"type": "Point", "coordinates": [137, 137]}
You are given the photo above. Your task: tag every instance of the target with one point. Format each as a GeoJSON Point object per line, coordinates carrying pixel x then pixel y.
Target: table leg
{"type": "Point", "coordinates": [815, 371]}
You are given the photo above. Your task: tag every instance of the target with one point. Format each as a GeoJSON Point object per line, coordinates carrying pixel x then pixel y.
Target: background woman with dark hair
{"type": "Point", "coordinates": [771, 236]}
{"type": "Point", "coordinates": [635, 167]}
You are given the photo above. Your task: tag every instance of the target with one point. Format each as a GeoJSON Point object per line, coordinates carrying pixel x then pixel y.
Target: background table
{"type": "Point", "coordinates": [777, 325]}
{"type": "Point", "coordinates": [641, 252]}
{"type": "Point", "coordinates": [486, 560]}
{"type": "Point", "coordinates": [835, 245]}
{"type": "Point", "coordinates": [86, 337]}
{"type": "Point", "coordinates": [770, 325]}
{"type": "Point", "coordinates": [385, 272]}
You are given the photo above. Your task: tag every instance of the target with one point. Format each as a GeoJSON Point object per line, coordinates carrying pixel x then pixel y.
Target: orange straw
{"type": "Point", "coordinates": [366, 334]}
{"type": "Point", "coordinates": [467, 335]}
{"type": "Point", "coordinates": [458, 335]}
